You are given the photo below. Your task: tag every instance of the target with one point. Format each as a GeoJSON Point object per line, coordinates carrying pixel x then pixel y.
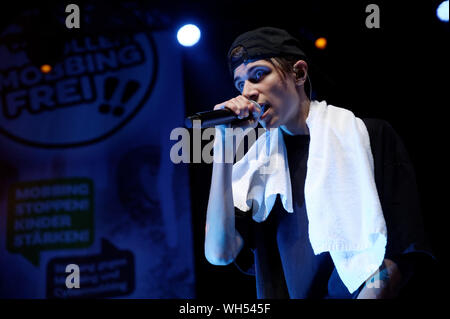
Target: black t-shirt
{"type": "Point", "coordinates": [278, 250]}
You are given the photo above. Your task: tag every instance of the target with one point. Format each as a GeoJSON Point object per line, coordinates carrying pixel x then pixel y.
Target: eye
{"type": "Point", "coordinates": [259, 74]}
{"type": "Point", "coordinates": [254, 78]}
{"type": "Point", "coordinates": [240, 86]}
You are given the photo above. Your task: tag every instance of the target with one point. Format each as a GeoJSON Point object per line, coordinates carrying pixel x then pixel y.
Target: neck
{"type": "Point", "coordinates": [297, 125]}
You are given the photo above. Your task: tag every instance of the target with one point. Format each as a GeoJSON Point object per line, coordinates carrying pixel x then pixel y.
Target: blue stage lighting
{"type": "Point", "coordinates": [442, 11]}
{"type": "Point", "coordinates": [188, 35]}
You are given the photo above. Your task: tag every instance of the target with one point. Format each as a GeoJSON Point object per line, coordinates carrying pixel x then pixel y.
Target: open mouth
{"type": "Point", "coordinates": [265, 107]}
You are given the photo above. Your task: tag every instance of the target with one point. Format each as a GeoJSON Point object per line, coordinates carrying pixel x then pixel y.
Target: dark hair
{"type": "Point", "coordinates": [284, 65]}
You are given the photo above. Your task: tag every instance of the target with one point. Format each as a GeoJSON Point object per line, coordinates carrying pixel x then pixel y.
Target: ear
{"type": "Point", "coordinates": [301, 71]}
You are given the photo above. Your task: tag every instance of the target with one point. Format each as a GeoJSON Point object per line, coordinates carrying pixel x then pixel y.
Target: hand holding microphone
{"type": "Point", "coordinates": [238, 112]}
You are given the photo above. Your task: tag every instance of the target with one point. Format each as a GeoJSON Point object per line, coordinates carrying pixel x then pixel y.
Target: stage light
{"type": "Point", "coordinates": [46, 68]}
{"type": "Point", "coordinates": [188, 35]}
{"type": "Point", "coordinates": [442, 11]}
{"type": "Point", "coordinates": [321, 43]}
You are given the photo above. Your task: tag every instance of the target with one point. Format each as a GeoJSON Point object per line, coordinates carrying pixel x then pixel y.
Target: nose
{"type": "Point", "coordinates": [250, 91]}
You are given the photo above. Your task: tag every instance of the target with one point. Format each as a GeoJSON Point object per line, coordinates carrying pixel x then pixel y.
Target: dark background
{"type": "Point", "coordinates": [397, 73]}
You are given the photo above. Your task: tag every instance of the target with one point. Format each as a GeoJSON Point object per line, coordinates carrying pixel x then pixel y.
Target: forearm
{"type": "Point", "coordinates": [222, 241]}
{"type": "Point", "coordinates": [385, 283]}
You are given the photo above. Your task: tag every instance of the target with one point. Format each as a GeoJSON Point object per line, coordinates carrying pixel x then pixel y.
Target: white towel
{"type": "Point", "coordinates": [344, 212]}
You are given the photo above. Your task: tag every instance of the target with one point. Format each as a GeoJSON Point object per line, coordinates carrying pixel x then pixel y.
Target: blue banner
{"type": "Point", "coordinates": [85, 171]}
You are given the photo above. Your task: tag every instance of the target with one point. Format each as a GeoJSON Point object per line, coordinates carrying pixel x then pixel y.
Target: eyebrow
{"type": "Point", "coordinates": [249, 70]}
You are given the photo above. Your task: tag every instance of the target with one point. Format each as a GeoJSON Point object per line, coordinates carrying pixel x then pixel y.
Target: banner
{"type": "Point", "coordinates": [85, 172]}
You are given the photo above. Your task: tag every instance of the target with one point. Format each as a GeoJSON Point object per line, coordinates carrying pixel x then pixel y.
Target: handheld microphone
{"type": "Point", "coordinates": [216, 117]}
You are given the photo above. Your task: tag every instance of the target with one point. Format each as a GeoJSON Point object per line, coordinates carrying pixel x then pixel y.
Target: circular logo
{"type": "Point", "coordinates": [100, 84]}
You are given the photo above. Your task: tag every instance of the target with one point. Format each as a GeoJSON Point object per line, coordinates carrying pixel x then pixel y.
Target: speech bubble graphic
{"type": "Point", "coordinates": [108, 274]}
{"type": "Point", "coordinates": [49, 215]}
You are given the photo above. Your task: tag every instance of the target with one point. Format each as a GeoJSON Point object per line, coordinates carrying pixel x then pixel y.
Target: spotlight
{"type": "Point", "coordinates": [442, 11]}
{"type": "Point", "coordinates": [321, 43]}
{"type": "Point", "coordinates": [46, 68]}
{"type": "Point", "coordinates": [188, 35]}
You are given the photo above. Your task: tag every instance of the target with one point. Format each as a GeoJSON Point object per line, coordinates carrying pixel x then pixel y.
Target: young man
{"type": "Point", "coordinates": [339, 216]}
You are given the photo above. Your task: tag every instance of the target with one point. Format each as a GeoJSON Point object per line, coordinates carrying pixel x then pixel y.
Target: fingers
{"type": "Point", "coordinates": [219, 106]}
{"type": "Point", "coordinates": [240, 105]}
{"type": "Point", "coordinates": [255, 110]}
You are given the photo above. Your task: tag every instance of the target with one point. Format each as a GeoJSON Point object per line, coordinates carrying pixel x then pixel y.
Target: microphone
{"type": "Point", "coordinates": [216, 117]}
